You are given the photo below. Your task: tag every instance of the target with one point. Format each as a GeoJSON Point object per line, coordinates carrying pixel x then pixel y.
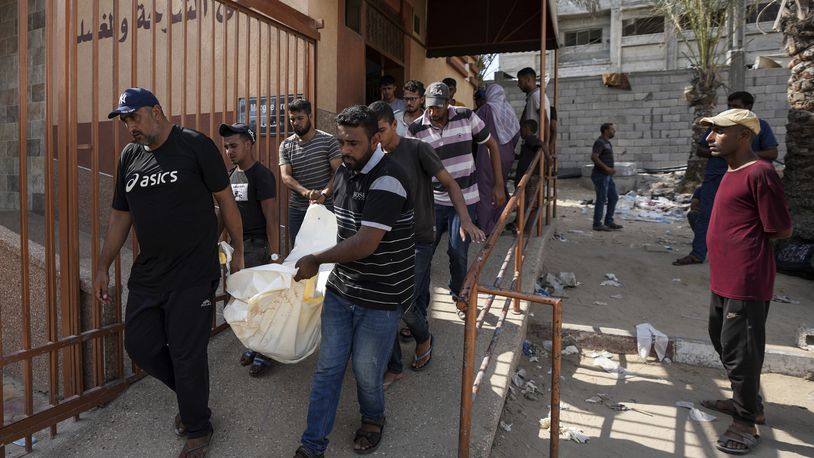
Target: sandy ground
{"type": "Point", "coordinates": [675, 301]}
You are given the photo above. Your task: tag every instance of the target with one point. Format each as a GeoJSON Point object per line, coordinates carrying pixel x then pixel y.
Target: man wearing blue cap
{"type": "Point", "coordinates": [165, 182]}
{"type": "Point", "coordinates": [254, 188]}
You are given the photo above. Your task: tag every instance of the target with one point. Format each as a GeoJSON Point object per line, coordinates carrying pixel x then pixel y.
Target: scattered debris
{"type": "Point", "coordinates": [624, 408]}
{"type": "Point", "coordinates": [612, 367]}
{"type": "Point", "coordinates": [560, 237]}
{"type": "Point", "coordinates": [784, 299]}
{"type": "Point", "coordinates": [677, 280]}
{"type": "Point", "coordinates": [612, 280]}
{"type": "Point", "coordinates": [529, 349]}
{"type": "Point", "coordinates": [576, 231]}
{"type": "Point", "coordinates": [568, 279]}
{"type": "Point", "coordinates": [616, 296]}
{"type": "Point", "coordinates": [554, 284]}
{"type": "Point", "coordinates": [600, 303]}
{"type": "Point", "coordinates": [547, 345]}
{"type": "Point", "coordinates": [534, 359]}
{"type": "Point", "coordinates": [570, 350]}
{"type": "Point", "coordinates": [599, 398]}
{"type": "Point", "coordinates": [505, 426]}
{"type": "Point", "coordinates": [519, 378]}
{"type": "Point", "coordinates": [574, 434]}
{"type": "Point", "coordinates": [647, 337]}
{"type": "Point", "coordinates": [603, 353]}
{"type": "Point", "coordinates": [695, 413]}
{"type": "Point", "coordinates": [655, 248]}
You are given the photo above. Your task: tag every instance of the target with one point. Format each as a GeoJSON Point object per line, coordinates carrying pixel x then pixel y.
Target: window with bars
{"type": "Point", "coordinates": [583, 37]}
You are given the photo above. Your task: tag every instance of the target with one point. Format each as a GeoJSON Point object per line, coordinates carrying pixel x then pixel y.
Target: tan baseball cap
{"type": "Point", "coordinates": [733, 117]}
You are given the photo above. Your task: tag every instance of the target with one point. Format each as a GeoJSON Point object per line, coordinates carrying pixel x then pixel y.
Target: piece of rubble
{"type": "Point", "coordinates": [519, 378]}
{"type": "Point", "coordinates": [570, 350]}
{"type": "Point", "coordinates": [600, 303]}
{"type": "Point", "coordinates": [805, 338]}
{"type": "Point", "coordinates": [505, 426]}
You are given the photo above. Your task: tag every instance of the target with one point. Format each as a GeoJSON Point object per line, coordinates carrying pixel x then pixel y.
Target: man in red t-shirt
{"type": "Point", "coordinates": [750, 210]}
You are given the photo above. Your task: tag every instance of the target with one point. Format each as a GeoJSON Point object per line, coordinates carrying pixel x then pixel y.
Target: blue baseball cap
{"type": "Point", "coordinates": [226, 130]}
{"type": "Point", "coordinates": [132, 99]}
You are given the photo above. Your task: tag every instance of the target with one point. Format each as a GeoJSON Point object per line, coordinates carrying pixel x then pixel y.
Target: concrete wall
{"type": "Point", "coordinates": [653, 121]}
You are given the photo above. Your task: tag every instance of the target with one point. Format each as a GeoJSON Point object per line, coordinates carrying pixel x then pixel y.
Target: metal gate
{"type": "Point", "coordinates": [208, 62]}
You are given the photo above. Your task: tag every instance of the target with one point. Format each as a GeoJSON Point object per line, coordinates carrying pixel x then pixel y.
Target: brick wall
{"type": "Point", "coordinates": [9, 106]}
{"type": "Point", "coordinates": [653, 121]}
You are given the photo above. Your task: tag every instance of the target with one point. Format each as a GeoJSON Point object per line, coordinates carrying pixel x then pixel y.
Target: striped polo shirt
{"type": "Point", "coordinates": [378, 196]}
{"type": "Point", "coordinates": [453, 144]}
{"type": "Point", "coordinates": [310, 163]}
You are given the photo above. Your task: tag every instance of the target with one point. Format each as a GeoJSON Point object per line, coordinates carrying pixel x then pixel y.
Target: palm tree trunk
{"type": "Point", "coordinates": [701, 96]}
{"type": "Point", "coordinates": [798, 178]}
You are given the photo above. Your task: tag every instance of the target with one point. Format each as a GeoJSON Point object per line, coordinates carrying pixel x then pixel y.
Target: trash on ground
{"type": "Point", "coordinates": [529, 349]}
{"type": "Point", "coordinates": [542, 292]}
{"type": "Point", "coordinates": [612, 280]}
{"type": "Point", "coordinates": [576, 231]}
{"type": "Point", "coordinates": [505, 426]}
{"type": "Point", "coordinates": [616, 296]}
{"type": "Point", "coordinates": [612, 367]}
{"type": "Point", "coordinates": [600, 303]}
{"type": "Point", "coordinates": [519, 378]}
{"type": "Point", "coordinates": [560, 237]}
{"type": "Point", "coordinates": [685, 404]}
{"type": "Point", "coordinates": [534, 359]}
{"type": "Point", "coordinates": [568, 279]}
{"type": "Point", "coordinates": [547, 345]}
{"type": "Point", "coordinates": [655, 248]}
{"type": "Point", "coordinates": [647, 337]}
{"type": "Point", "coordinates": [574, 434]}
{"type": "Point", "coordinates": [624, 408]}
{"type": "Point", "coordinates": [604, 353]}
{"type": "Point", "coordinates": [545, 423]}
{"type": "Point", "coordinates": [700, 416]}
{"type": "Point", "coordinates": [677, 280]}
{"type": "Point", "coordinates": [784, 299]}
{"type": "Point", "coordinates": [594, 399]}
{"type": "Point", "coordinates": [570, 350]}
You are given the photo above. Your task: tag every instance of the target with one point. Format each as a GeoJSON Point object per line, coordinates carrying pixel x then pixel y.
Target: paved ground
{"type": "Point", "coordinates": [265, 416]}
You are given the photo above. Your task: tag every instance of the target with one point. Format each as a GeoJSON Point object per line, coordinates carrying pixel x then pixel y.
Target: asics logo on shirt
{"type": "Point", "coordinates": [146, 181]}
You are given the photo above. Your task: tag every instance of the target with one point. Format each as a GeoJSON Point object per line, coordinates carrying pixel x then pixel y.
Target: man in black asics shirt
{"type": "Point", "coordinates": [164, 187]}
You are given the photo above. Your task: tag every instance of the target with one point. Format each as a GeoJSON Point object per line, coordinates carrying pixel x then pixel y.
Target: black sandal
{"type": "Point", "coordinates": [303, 452]}
{"type": "Point", "coordinates": [373, 438]}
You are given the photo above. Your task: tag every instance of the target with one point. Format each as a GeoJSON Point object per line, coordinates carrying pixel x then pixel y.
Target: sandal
{"type": "Point", "coordinates": [749, 441]}
{"type": "Point", "coordinates": [196, 447]}
{"type": "Point", "coordinates": [405, 334]}
{"type": "Point", "coordinates": [427, 354]}
{"type": "Point", "coordinates": [726, 406]}
{"type": "Point", "coordinates": [303, 452]}
{"type": "Point", "coordinates": [688, 260]}
{"type": "Point", "coordinates": [259, 366]}
{"type": "Point", "coordinates": [247, 358]}
{"type": "Point", "coordinates": [373, 438]}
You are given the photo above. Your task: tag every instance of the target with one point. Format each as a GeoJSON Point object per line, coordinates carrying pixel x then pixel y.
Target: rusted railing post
{"type": "Point", "coordinates": [556, 356]}
{"type": "Point", "coordinates": [467, 375]}
{"type": "Point", "coordinates": [518, 248]}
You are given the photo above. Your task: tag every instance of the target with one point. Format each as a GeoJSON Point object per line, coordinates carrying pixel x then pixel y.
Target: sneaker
{"type": "Point", "coordinates": [602, 228]}
{"type": "Point", "coordinates": [614, 226]}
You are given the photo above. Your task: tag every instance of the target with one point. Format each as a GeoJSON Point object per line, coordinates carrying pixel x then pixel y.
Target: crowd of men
{"type": "Point", "coordinates": [398, 175]}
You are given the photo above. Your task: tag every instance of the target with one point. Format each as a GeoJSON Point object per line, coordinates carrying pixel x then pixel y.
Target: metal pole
{"type": "Point", "coordinates": [467, 375]}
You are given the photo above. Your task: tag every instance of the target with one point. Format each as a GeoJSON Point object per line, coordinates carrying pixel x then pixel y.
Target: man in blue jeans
{"type": "Point", "coordinates": [422, 165]}
{"type": "Point", "coordinates": [602, 176]}
{"type": "Point", "coordinates": [372, 281]}
{"type": "Point", "coordinates": [764, 144]}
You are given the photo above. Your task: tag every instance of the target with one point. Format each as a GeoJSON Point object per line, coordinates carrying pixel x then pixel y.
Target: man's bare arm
{"type": "Point", "coordinates": [118, 227]}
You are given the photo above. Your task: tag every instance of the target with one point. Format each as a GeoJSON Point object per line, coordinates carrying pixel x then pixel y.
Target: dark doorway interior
{"type": "Point", "coordinates": [376, 65]}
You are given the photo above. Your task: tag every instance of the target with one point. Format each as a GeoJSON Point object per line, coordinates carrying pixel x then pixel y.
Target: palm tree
{"type": "Point", "coordinates": [700, 26]}
{"type": "Point", "coordinates": [796, 21]}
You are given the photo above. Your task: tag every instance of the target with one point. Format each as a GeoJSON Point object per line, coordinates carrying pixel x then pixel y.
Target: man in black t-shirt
{"type": "Point", "coordinates": [164, 187]}
{"type": "Point", "coordinates": [254, 187]}
{"type": "Point", "coordinates": [372, 280]}
{"type": "Point", "coordinates": [602, 176]}
{"type": "Point", "coordinates": [423, 167]}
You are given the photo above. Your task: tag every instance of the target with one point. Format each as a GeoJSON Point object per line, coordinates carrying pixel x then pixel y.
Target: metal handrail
{"type": "Point", "coordinates": [545, 191]}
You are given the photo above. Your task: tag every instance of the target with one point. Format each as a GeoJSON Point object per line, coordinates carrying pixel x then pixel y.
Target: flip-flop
{"type": "Point", "coordinates": [427, 354]}
{"type": "Point", "coordinates": [732, 435]}
{"type": "Point", "coordinates": [259, 366]}
{"type": "Point", "coordinates": [198, 450]}
{"type": "Point", "coordinates": [303, 452]}
{"type": "Point", "coordinates": [374, 438]}
{"type": "Point", "coordinates": [725, 406]}
{"type": "Point", "coordinates": [247, 357]}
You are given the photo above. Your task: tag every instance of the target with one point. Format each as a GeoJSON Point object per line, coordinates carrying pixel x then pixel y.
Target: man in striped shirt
{"type": "Point", "coordinates": [371, 282]}
{"type": "Point", "coordinates": [308, 160]}
{"type": "Point", "coordinates": [450, 131]}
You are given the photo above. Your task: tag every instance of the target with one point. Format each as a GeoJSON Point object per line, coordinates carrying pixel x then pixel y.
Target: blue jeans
{"type": "Point", "coordinates": [416, 314]}
{"type": "Point", "coordinates": [605, 192]}
{"type": "Point", "coordinates": [295, 218]}
{"type": "Point", "coordinates": [706, 197]}
{"type": "Point", "coordinates": [447, 220]}
{"type": "Point", "coordinates": [366, 335]}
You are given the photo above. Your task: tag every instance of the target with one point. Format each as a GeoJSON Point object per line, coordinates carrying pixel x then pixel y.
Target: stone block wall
{"type": "Point", "coordinates": [653, 121]}
{"type": "Point", "coordinates": [9, 106]}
